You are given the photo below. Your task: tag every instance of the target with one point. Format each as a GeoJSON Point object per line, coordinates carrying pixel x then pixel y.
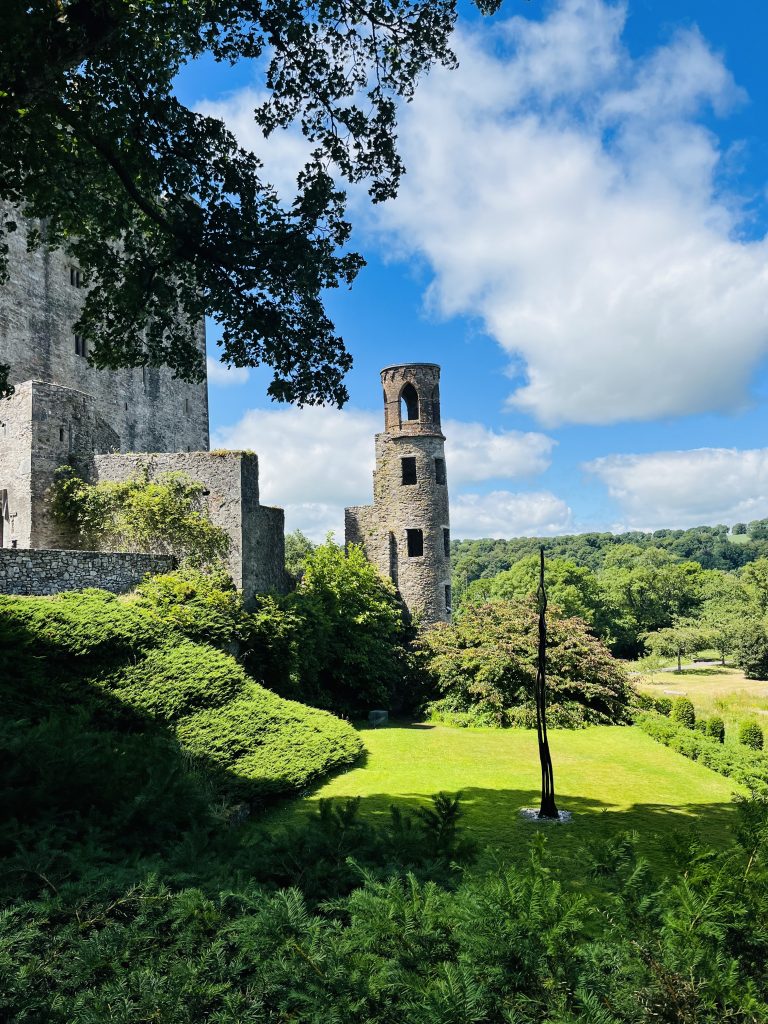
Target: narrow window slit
{"type": "Point", "coordinates": [408, 468]}
{"type": "Point", "coordinates": [415, 540]}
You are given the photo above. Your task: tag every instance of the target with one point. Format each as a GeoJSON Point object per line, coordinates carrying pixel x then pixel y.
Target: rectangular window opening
{"type": "Point", "coordinates": [446, 542]}
{"type": "Point", "coordinates": [415, 543]}
{"type": "Point", "coordinates": [439, 471]}
{"type": "Point", "coordinates": [186, 406]}
{"type": "Point", "coordinates": [447, 597]}
{"type": "Point", "coordinates": [79, 345]}
{"type": "Point", "coordinates": [61, 433]}
{"type": "Point", "coordinates": [408, 466]}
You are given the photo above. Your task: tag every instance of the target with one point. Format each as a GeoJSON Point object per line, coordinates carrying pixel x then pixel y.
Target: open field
{"type": "Point", "coordinates": [612, 778]}
{"type": "Point", "coordinates": [714, 690]}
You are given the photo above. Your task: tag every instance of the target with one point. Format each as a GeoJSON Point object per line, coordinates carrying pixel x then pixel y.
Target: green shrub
{"type": "Point", "coordinates": [751, 735]}
{"type": "Point", "coordinates": [68, 783]}
{"type": "Point", "coordinates": [716, 729]}
{"type": "Point", "coordinates": [683, 712]}
{"type": "Point", "coordinates": [519, 942]}
{"type": "Point", "coordinates": [268, 745]}
{"type": "Point", "coordinates": [350, 635]}
{"type": "Point", "coordinates": [124, 661]}
{"type": "Point", "coordinates": [202, 606]}
{"type": "Point", "coordinates": [89, 624]}
{"type": "Point", "coordinates": [175, 680]}
{"type": "Point", "coordinates": [664, 705]}
{"type": "Point", "coordinates": [746, 766]}
{"type": "Point", "coordinates": [702, 725]}
{"type": "Point", "coordinates": [486, 662]}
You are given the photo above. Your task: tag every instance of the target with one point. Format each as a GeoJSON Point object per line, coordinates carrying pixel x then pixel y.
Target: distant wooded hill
{"type": "Point", "coordinates": [714, 547]}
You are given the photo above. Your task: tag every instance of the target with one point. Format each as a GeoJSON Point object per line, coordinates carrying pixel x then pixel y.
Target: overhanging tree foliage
{"type": "Point", "coordinates": [167, 216]}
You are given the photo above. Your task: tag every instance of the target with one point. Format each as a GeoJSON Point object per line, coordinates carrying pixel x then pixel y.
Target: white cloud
{"type": "Point", "coordinates": [567, 194]}
{"type": "Point", "coordinates": [223, 375]}
{"type": "Point", "coordinates": [506, 514]}
{"type": "Point", "coordinates": [316, 461]}
{"type": "Point", "coordinates": [476, 453]}
{"type": "Point", "coordinates": [678, 489]}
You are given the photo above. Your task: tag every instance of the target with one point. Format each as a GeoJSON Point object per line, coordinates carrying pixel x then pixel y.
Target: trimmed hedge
{"type": "Point", "coordinates": [716, 729]}
{"type": "Point", "coordinates": [126, 665]}
{"type": "Point", "coordinates": [683, 712]}
{"type": "Point", "coordinates": [751, 735]}
{"type": "Point", "coordinates": [177, 680]}
{"type": "Point", "coordinates": [745, 766]}
{"type": "Point", "coordinates": [267, 744]}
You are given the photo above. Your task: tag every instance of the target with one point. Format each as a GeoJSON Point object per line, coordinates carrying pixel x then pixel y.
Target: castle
{"type": "Point", "coordinates": [406, 531]}
{"type": "Point", "coordinates": [109, 424]}
{"type": "Point", "coordinates": [113, 424]}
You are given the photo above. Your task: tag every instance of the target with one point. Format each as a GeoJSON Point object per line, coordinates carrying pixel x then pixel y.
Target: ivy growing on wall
{"type": "Point", "coordinates": [166, 515]}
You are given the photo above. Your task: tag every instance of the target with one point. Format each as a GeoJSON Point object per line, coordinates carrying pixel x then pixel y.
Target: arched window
{"type": "Point", "coordinates": [409, 397]}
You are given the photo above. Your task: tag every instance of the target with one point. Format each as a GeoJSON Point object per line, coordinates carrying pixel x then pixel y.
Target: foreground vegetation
{"type": "Point", "coordinates": [519, 945]}
{"type": "Point", "coordinates": [151, 873]}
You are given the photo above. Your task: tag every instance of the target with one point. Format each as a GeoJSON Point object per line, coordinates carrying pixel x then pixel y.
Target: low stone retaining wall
{"type": "Point", "coordinates": [44, 571]}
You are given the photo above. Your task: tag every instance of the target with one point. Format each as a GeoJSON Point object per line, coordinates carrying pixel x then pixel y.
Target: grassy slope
{"type": "Point", "coordinates": [715, 690]}
{"type": "Point", "coordinates": [613, 778]}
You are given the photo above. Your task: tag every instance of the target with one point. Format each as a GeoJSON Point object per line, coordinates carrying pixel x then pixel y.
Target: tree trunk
{"type": "Point", "coordinates": [548, 808]}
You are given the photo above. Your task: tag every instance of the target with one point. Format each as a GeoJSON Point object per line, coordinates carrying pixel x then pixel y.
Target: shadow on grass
{"type": "Point", "coordinates": [491, 817]}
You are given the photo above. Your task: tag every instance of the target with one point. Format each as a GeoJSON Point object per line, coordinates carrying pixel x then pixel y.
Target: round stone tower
{"type": "Point", "coordinates": [406, 531]}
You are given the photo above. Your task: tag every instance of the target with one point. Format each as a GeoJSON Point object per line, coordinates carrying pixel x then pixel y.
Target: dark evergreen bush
{"type": "Point", "coordinates": [178, 679]}
{"type": "Point", "coordinates": [683, 712]}
{"type": "Point", "coordinates": [751, 735]}
{"type": "Point", "coordinates": [517, 944]}
{"type": "Point", "coordinates": [266, 744]}
{"type": "Point", "coordinates": [664, 705]}
{"type": "Point", "coordinates": [716, 729]}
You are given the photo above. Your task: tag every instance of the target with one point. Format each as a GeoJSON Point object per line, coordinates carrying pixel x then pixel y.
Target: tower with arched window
{"type": "Point", "coordinates": [406, 530]}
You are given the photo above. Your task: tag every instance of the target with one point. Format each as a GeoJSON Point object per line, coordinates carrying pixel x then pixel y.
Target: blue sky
{"type": "Point", "coordinates": [580, 242]}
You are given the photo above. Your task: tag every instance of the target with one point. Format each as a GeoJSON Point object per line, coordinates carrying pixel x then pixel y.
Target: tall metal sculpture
{"type": "Point", "coordinates": [548, 808]}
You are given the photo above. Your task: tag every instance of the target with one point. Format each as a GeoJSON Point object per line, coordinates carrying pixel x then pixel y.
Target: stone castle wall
{"type": "Point", "coordinates": [146, 408]}
{"type": "Point", "coordinates": [257, 553]}
{"type": "Point", "coordinates": [43, 573]}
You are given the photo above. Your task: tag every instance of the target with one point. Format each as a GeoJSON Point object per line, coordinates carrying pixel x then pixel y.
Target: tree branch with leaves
{"type": "Point", "coordinates": [168, 217]}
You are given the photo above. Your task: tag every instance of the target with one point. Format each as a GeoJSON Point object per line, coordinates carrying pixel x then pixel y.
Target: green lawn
{"type": "Point", "coordinates": [612, 778]}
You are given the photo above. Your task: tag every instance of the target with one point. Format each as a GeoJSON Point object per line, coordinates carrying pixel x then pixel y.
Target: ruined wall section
{"type": "Point", "coordinates": [44, 573]}
{"type": "Point", "coordinates": [16, 463]}
{"type": "Point", "coordinates": [147, 409]}
{"type": "Point", "coordinates": [44, 426]}
{"type": "Point", "coordinates": [256, 559]}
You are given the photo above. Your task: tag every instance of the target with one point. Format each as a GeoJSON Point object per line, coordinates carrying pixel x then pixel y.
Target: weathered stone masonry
{"type": "Point", "coordinates": [257, 554]}
{"type": "Point", "coordinates": [66, 412]}
{"type": "Point", "coordinates": [43, 573]}
{"type": "Point", "coordinates": [406, 530]}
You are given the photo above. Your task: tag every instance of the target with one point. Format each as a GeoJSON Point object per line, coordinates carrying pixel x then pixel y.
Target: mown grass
{"type": "Point", "coordinates": [611, 778]}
